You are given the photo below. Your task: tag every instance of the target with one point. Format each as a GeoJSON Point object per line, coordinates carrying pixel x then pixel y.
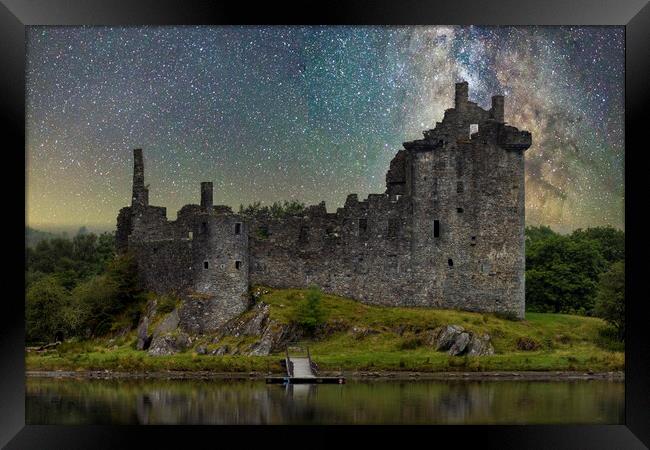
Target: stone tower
{"type": "Point", "coordinates": [465, 181]}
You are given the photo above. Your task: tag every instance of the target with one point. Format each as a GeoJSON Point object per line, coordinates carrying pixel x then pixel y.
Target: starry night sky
{"type": "Point", "coordinates": [309, 113]}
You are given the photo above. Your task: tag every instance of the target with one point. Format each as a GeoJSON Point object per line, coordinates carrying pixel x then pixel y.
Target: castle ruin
{"type": "Point", "coordinates": [448, 232]}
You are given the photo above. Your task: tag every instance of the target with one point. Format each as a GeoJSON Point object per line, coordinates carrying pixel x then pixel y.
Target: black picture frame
{"type": "Point", "coordinates": [634, 15]}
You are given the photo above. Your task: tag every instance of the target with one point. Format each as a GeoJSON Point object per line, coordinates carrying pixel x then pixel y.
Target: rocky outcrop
{"type": "Point", "coordinates": [456, 341]}
{"type": "Point", "coordinates": [160, 339]}
{"type": "Point", "coordinates": [275, 338]}
{"type": "Point", "coordinates": [143, 337]}
{"type": "Point", "coordinates": [480, 346]}
{"type": "Point", "coordinates": [167, 325]}
{"type": "Point", "coordinates": [273, 335]}
{"type": "Point", "coordinates": [447, 336]}
{"type": "Point", "coordinates": [460, 344]}
{"type": "Point", "coordinates": [170, 343]}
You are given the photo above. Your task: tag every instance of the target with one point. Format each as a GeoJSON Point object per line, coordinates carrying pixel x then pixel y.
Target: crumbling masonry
{"type": "Point", "coordinates": [447, 233]}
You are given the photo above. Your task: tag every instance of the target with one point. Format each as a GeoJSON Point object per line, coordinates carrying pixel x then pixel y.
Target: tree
{"type": "Point", "coordinates": [83, 247]}
{"type": "Point", "coordinates": [611, 242]}
{"type": "Point", "coordinates": [309, 313]}
{"type": "Point", "coordinates": [45, 303]}
{"type": "Point", "coordinates": [562, 274]}
{"type": "Point", "coordinates": [610, 299]}
{"type": "Point", "coordinates": [538, 234]}
{"type": "Point", "coordinates": [105, 248]}
{"type": "Point", "coordinates": [96, 302]}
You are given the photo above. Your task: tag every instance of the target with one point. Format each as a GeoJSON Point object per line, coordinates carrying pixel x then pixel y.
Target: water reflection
{"type": "Point", "coordinates": [52, 401]}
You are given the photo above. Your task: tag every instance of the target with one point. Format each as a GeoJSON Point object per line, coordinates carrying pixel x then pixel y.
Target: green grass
{"type": "Point", "coordinates": [564, 343]}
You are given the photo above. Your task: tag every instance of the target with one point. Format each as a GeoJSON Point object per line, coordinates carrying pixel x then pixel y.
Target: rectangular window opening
{"type": "Point", "coordinates": [238, 228]}
{"type": "Point", "coordinates": [436, 228]}
{"type": "Point", "coordinates": [473, 128]}
{"type": "Point", "coordinates": [237, 265]}
{"type": "Point", "coordinates": [303, 237]}
{"type": "Point", "coordinates": [204, 227]}
{"type": "Point", "coordinates": [190, 235]}
{"type": "Point", "coordinates": [363, 224]}
{"type": "Point", "coordinates": [363, 228]}
{"type": "Point", "coordinates": [459, 210]}
{"type": "Point", "coordinates": [205, 264]}
{"type": "Point", "coordinates": [393, 228]}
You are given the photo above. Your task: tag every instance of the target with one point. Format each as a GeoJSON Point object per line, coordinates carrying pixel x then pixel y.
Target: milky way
{"type": "Point", "coordinates": [310, 113]}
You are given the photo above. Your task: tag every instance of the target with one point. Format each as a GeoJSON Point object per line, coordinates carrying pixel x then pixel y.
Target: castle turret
{"type": "Point", "coordinates": [206, 195]}
{"type": "Point", "coordinates": [497, 108]}
{"type": "Point", "coordinates": [140, 191]}
{"type": "Point", "coordinates": [462, 95]}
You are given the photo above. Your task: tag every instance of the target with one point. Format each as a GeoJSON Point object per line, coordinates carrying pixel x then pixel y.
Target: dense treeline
{"type": "Point", "coordinates": [579, 273]}
{"type": "Point", "coordinates": [277, 209]}
{"type": "Point", "coordinates": [78, 287]}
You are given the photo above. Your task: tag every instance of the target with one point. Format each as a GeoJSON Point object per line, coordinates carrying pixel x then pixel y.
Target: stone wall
{"type": "Point", "coordinates": [448, 232]}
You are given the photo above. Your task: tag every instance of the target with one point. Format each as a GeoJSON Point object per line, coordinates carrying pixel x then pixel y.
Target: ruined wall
{"type": "Point", "coordinates": [201, 257]}
{"type": "Point", "coordinates": [448, 232]}
{"type": "Point", "coordinates": [361, 251]}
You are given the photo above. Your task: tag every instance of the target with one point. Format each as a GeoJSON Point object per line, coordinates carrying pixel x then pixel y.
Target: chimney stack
{"type": "Point", "coordinates": [140, 192]}
{"type": "Point", "coordinates": [206, 195]}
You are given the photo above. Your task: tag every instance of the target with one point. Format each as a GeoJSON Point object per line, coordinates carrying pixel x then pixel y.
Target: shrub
{"type": "Point", "coordinates": [608, 339]}
{"type": "Point", "coordinates": [527, 344]}
{"type": "Point", "coordinates": [309, 312]}
{"type": "Point", "coordinates": [610, 300]}
{"type": "Point", "coordinates": [563, 338]}
{"type": "Point", "coordinates": [166, 304]}
{"type": "Point", "coordinates": [410, 343]}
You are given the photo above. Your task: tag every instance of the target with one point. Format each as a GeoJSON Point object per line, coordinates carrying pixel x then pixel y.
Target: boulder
{"type": "Point", "coordinates": [459, 345]}
{"type": "Point", "coordinates": [168, 344]}
{"type": "Point", "coordinates": [456, 341]}
{"type": "Point", "coordinates": [448, 336]}
{"type": "Point", "coordinates": [224, 349]}
{"type": "Point", "coordinates": [480, 346]}
{"type": "Point", "coordinates": [362, 332]}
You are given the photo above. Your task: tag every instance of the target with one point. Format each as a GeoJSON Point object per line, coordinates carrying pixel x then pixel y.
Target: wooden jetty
{"type": "Point", "coordinates": [302, 370]}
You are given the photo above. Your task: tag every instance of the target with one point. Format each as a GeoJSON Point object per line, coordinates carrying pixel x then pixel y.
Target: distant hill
{"type": "Point", "coordinates": [33, 237]}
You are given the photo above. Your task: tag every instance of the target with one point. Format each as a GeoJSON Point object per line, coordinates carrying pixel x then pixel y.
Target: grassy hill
{"type": "Point", "coordinates": [372, 338]}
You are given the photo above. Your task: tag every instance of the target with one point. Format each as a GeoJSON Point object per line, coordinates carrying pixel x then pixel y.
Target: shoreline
{"type": "Point", "coordinates": [378, 376]}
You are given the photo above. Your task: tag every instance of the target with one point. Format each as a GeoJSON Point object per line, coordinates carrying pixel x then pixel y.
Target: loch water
{"type": "Point", "coordinates": [159, 401]}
